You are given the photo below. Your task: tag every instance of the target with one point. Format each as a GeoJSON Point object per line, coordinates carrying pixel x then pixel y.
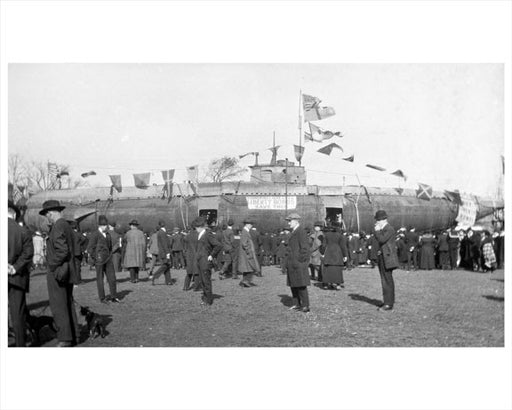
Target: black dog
{"type": "Point", "coordinates": [95, 324]}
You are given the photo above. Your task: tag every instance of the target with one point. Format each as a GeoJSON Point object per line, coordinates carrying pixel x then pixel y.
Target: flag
{"type": "Point", "coordinates": [312, 109]}
{"type": "Point", "coordinates": [168, 176]}
{"type": "Point", "coordinates": [53, 169]}
{"type": "Point", "coordinates": [193, 173]}
{"type": "Point", "coordinates": [299, 152]}
{"type": "Point", "coordinates": [453, 196]}
{"type": "Point", "coordinates": [308, 137]}
{"type": "Point", "coordinates": [63, 174]}
{"type": "Point", "coordinates": [399, 190]}
{"type": "Point", "coordinates": [349, 159]}
{"type": "Point", "coordinates": [375, 167]}
{"type": "Point", "coordinates": [16, 194]}
{"type": "Point", "coordinates": [142, 180]}
{"type": "Point", "coordinates": [424, 191]}
{"type": "Point", "coordinates": [400, 174]}
{"type": "Point", "coordinates": [88, 174]}
{"type": "Point", "coordinates": [244, 155]}
{"type": "Point", "coordinates": [328, 148]}
{"type": "Point", "coordinates": [116, 183]}
{"type": "Point", "coordinates": [319, 134]}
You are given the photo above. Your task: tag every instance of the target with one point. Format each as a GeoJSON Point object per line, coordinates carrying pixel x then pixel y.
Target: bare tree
{"type": "Point", "coordinates": [17, 170]}
{"type": "Point", "coordinates": [224, 168]}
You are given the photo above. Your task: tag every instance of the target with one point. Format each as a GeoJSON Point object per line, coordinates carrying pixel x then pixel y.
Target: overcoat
{"type": "Point", "coordinates": [387, 246]}
{"type": "Point", "coordinates": [134, 249]}
{"type": "Point", "coordinates": [164, 244]}
{"type": "Point", "coordinates": [207, 245]}
{"type": "Point", "coordinates": [99, 248]}
{"type": "Point", "coordinates": [316, 239]}
{"type": "Point", "coordinates": [297, 259]}
{"type": "Point", "coordinates": [190, 250]}
{"type": "Point", "coordinates": [335, 249]}
{"type": "Point", "coordinates": [20, 252]}
{"type": "Point", "coordinates": [61, 253]}
{"type": "Point", "coordinates": [247, 258]}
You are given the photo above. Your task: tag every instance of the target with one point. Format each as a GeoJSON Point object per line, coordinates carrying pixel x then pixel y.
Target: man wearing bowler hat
{"type": "Point", "coordinates": [248, 264]}
{"type": "Point", "coordinates": [297, 260]}
{"type": "Point", "coordinates": [20, 252]}
{"type": "Point", "coordinates": [62, 274]}
{"type": "Point", "coordinates": [134, 244]}
{"type": "Point", "coordinates": [387, 258]}
{"type": "Point", "coordinates": [206, 248]}
{"type": "Point", "coordinates": [100, 251]}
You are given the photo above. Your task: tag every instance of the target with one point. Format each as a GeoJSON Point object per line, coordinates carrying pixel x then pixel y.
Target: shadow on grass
{"type": "Point", "coordinates": [495, 298]}
{"type": "Point", "coordinates": [361, 298]}
{"type": "Point", "coordinates": [286, 300]}
{"type": "Point", "coordinates": [121, 295]}
{"type": "Point", "coordinates": [215, 296]}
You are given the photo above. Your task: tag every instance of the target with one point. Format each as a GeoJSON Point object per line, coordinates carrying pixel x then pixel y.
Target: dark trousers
{"type": "Point", "coordinates": [134, 274]}
{"type": "Point", "coordinates": [18, 312]}
{"type": "Point", "coordinates": [164, 268]}
{"type": "Point", "coordinates": [177, 258]}
{"type": "Point", "coordinates": [316, 272]}
{"type": "Point", "coordinates": [300, 294]}
{"type": "Point", "coordinates": [78, 267]}
{"type": "Point", "coordinates": [206, 283]}
{"type": "Point", "coordinates": [388, 285]}
{"type": "Point", "coordinates": [106, 270]}
{"type": "Point", "coordinates": [63, 309]}
{"type": "Point", "coordinates": [454, 256]}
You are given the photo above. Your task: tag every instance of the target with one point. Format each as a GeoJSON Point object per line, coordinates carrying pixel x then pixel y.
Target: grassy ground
{"type": "Point", "coordinates": [433, 308]}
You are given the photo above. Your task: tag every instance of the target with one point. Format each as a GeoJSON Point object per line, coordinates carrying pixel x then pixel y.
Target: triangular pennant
{"type": "Point", "coordinates": [349, 159]}
{"type": "Point", "coordinates": [375, 167]}
{"type": "Point", "coordinates": [400, 174]}
{"type": "Point", "coordinates": [116, 183]}
{"type": "Point", "coordinates": [399, 190]}
{"type": "Point", "coordinates": [299, 152]}
{"type": "Point", "coordinates": [328, 148]}
{"type": "Point", "coordinates": [453, 196]}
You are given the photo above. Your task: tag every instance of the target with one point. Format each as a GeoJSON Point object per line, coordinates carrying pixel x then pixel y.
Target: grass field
{"type": "Point", "coordinates": [433, 308]}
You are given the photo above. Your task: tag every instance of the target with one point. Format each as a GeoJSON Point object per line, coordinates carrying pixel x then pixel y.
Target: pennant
{"type": "Point", "coordinates": [244, 155]}
{"type": "Point", "coordinates": [142, 180]}
{"type": "Point", "coordinates": [453, 196]}
{"type": "Point", "coordinates": [88, 174]}
{"type": "Point", "coordinates": [299, 152]}
{"type": "Point", "coordinates": [193, 173]}
{"type": "Point", "coordinates": [399, 190]}
{"type": "Point", "coordinates": [328, 148]}
{"type": "Point", "coordinates": [375, 167]}
{"type": "Point", "coordinates": [312, 109]}
{"type": "Point", "coordinates": [116, 183]}
{"type": "Point", "coordinates": [424, 191]}
{"type": "Point", "coordinates": [319, 134]}
{"type": "Point", "coordinates": [400, 174]}
{"type": "Point", "coordinates": [168, 176]}
{"type": "Point", "coordinates": [63, 174]}
{"type": "Point", "coordinates": [349, 159]}
{"type": "Point", "coordinates": [308, 137]}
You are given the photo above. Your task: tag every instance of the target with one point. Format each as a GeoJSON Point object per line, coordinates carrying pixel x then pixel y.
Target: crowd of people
{"type": "Point", "coordinates": [320, 253]}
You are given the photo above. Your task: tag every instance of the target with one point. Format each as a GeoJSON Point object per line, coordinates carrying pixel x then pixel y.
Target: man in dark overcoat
{"type": "Point", "coordinates": [387, 258]}
{"type": "Point", "coordinates": [297, 260]}
{"type": "Point", "coordinates": [248, 263]}
{"type": "Point", "coordinates": [62, 274]}
{"type": "Point", "coordinates": [164, 254]}
{"type": "Point", "coordinates": [206, 248]}
{"type": "Point", "coordinates": [100, 251]}
{"type": "Point", "coordinates": [80, 246]}
{"type": "Point", "coordinates": [19, 257]}
{"type": "Point", "coordinates": [189, 246]}
{"type": "Point", "coordinates": [228, 239]}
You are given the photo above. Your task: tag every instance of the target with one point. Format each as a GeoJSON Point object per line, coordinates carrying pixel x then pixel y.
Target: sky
{"type": "Point", "coordinates": [441, 124]}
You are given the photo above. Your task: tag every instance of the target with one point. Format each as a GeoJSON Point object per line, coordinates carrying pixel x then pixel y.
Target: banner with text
{"type": "Point", "coordinates": [271, 202]}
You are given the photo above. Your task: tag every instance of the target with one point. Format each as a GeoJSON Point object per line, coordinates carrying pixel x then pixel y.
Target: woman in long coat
{"type": "Point", "coordinates": [427, 244]}
{"type": "Point", "coordinates": [335, 256]}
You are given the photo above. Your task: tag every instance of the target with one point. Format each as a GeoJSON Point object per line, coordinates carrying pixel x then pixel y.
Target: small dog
{"type": "Point", "coordinates": [95, 325]}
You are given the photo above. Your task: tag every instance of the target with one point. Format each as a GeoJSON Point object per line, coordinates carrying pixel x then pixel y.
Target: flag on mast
{"type": "Point", "coordinates": [312, 109]}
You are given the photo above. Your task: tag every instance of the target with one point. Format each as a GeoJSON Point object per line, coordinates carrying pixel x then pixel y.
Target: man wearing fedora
{"type": "Point", "coordinates": [387, 258]}
{"type": "Point", "coordinates": [164, 254]}
{"type": "Point", "coordinates": [62, 274]}
{"type": "Point", "coordinates": [206, 248]}
{"type": "Point", "coordinates": [19, 256]}
{"type": "Point", "coordinates": [134, 245]}
{"type": "Point", "coordinates": [297, 260]}
{"type": "Point", "coordinates": [100, 251]}
{"type": "Point", "coordinates": [248, 264]}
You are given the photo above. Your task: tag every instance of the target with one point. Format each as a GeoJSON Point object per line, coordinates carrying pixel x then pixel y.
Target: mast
{"type": "Point", "coordinates": [300, 122]}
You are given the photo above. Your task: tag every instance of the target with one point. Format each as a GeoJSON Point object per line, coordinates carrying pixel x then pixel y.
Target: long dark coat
{"type": "Point", "coordinates": [427, 260]}
{"type": "Point", "coordinates": [207, 245]}
{"type": "Point", "coordinates": [19, 255]}
{"type": "Point", "coordinates": [247, 257]}
{"type": "Point", "coordinates": [387, 246]}
{"type": "Point", "coordinates": [335, 249]}
{"type": "Point", "coordinates": [61, 252]}
{"type": "Point", "coordinates": [134, 249]}
{"type": "Point", "coordinates": [190, 250]}
{"type": "Point", "coordinates": [297, 259]}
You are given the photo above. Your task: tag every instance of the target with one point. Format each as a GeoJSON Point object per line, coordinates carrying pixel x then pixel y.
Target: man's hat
{"type": "Point", "coordinates": [231, 222]}
{"type": "Point", "coordinates": [199, 222]}
{"type": "Point", "coordinates": [381, 215]}
{"type": "Point", "coordinates": [293, 216]}
{"type": "Point", "coordinates": [10, 204]}
{"type": "Point", "coordinates": [51, 205]}
{"type": "Point", "coordinates": [319, 223]}
{"type": "Point", "coordinates": [102, 220]}
{"type": "Point", "coordinates": [134, 222]}
{"type": "Point", "coordinates": [249, 221]}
